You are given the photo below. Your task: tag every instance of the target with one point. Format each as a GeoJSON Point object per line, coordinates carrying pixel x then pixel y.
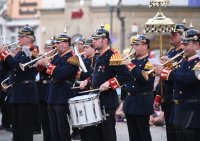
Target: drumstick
{"type": "Point", "coordinates": [75, 87]}
{"type": "Point", "coordinates": [92, 90]}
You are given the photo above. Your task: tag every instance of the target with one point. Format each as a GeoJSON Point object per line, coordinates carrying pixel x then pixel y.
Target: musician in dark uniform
{"type": "Point", "coordinates": [4, 104]}
{"type": "Point", "coordinates": [138, 104]}
{"type": "Point", "coordinates": [79, 44]}
{"type": "Point", "coordinates": [89, 62]}
{"type": "Point", "coordinates": [186, 113]}
{"type": "Point", "coordinates": [43, 86]}
{"type": "Point", "coordinates": [24, 92]}
{"type": "Point", "coordinates": [63, 69]}
{"type": "Point", "coordinates": [109, 73]}
{"type": "Point", "coordinates": [166, 99]}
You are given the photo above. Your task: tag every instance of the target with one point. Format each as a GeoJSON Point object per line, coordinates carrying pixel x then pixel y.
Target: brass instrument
{"type": "Point", "coordinates": [82, 65]}
{"type": "Point", "coordinates": [168, 64]}
{"type": "Point", "coordinates": [4, 85]}
{"type": "Point", "coordinates": [50, 57]}
{"type": "Point", "coordinates": [23, 66]}
{"type": "Point", "coordinates": [129, 53]}
{"type": "Point", "coordinates": [12, 46]}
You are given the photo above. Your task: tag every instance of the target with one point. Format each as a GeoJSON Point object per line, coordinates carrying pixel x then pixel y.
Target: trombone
{"type": "Point", "coordinates": [5, 86]}
{"type": "Point", "coordinates": [23, 66]}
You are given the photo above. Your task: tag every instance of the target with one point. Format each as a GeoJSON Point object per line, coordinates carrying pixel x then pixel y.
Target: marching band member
{"type": "Point", "coordinates": [79, 42]}
{"type": "Point", "coordinates": [89, 60]}
{"type": "Point", "coordinates": [43, 86]}
{"type": "Point", "coordinates": [185, 114]}
{"type": "Point", "coordinates": [138, 104]}
{"type": "Point", "coordinates": [24, 92]}
{"type": "Point", "coordinates": [109, 71]}
{"type": "Point", "coordinates": [63, 69]}
{"type": "Point", "coordinates": [168, 86]}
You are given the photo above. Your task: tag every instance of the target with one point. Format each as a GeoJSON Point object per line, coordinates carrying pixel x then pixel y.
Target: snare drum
{"type": "Point", "coordinates": [85, 111]}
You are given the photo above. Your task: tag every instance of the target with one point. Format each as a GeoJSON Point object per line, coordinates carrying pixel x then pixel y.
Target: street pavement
{"type": "Point", "coordinates": [158, 133]}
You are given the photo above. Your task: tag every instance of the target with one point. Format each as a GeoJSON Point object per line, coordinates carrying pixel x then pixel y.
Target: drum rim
{"type": "Point", "coordinates": [82, 100]}
{"type": "Point", "coordinates": [89, 124]}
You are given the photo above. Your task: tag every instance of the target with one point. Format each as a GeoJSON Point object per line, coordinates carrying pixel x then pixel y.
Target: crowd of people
{"type": "Point", "coordinates": [151, 94]}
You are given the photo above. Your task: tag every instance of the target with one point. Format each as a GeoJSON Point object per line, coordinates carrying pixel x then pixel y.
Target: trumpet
{"type": "Point", "coordinates": [168, 63]}
{"type": "Point", "coordinates": [15, 43]}
{"type": "Point", "coordinates": [4, 85]}
{"type": "Point", "coordinates": [23, 66]}
{"type": "Point", "coordinates": [10, 47]}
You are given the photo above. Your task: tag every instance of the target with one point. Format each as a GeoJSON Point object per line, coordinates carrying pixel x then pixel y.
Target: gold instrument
{"type": "Point", "coordinates": [23, 66]}
{"type": "Point", "coordinates": [82, 65]}
{"type": "Point", "coordinates": [129, 53]}
{"type": "Point", "coordinates": [4, 85]}
{"type": "Point", "coordinates": [169, 64]}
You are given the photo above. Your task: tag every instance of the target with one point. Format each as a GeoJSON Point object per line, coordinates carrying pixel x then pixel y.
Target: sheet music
{"type": "Point", "coordinates": [154, 61]}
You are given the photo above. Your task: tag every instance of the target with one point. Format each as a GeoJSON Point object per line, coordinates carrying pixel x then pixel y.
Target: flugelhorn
{"type": "Point", "coordinates": [5, 86]}
{"type": "Point", "coordinates": [23, 66]}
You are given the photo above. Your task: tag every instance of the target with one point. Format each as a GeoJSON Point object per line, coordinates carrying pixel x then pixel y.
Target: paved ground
{"type": "Point", "coordinates": [158, 134]}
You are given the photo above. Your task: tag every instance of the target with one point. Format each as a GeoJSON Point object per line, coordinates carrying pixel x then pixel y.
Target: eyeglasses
{"type": "Point", "coordinates": [137, 44]}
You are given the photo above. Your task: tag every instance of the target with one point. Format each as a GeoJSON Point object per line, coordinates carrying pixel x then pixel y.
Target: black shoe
{"type": "Point", "coordinates": [4, 127]}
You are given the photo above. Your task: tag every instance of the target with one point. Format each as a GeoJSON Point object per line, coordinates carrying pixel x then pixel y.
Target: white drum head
{"type": "Point", "coordinates": [83, 97]}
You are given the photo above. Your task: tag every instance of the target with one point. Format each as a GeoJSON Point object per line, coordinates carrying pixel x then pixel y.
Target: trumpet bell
{"type": "Point", "coordinates": [22, 66]}
{"type": "Point", "coordinates": [126, 51]}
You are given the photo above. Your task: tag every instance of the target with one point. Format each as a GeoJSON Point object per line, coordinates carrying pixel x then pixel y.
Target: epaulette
{"type": "Point", "coordinates": [148, 66]}
{"type": "Point", "coordinates": [170, 49]}
{"type": "Point", "coordinates": [197, 66]}
{"type": "Point", "coordinates": [116, 59]}
{"type": "Point", "coordinates": [73, 60]}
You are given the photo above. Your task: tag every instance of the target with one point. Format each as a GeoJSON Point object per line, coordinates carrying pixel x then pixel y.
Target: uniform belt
{"type": "Point", "coordinates": [134, 94]}
{"type": "Point", "coordinates": [189, 100]}
{"type": "Point", "coordinates": [24, 82]}
{"type": "Point", "coordinates": [60, 81]}
{"type": "Point", "coordinates": [165, 101]}
{"type": "Point", "coordinates": [46, 81]}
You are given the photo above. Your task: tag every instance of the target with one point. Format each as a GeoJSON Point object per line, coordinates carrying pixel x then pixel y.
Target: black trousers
{"type": "Point", "coordinates": [104, 131]}
{"type": "Point", "coordinates": [59, 125]}
{"type": "Point", "coordinates": [36, 119]}
{"type": "Point", "coordinates": [45, 122]}
{"type": "Point", "coordinates": [188, 134]}
{"type": "Point", "coordinates": [138, 127]}
{"type": "Point", "coordinates": [171, 130]}
{"type": "Point", "coordinates": [5, 111]}
{"type": "Point", "coordinates": [22, 119]}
